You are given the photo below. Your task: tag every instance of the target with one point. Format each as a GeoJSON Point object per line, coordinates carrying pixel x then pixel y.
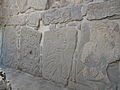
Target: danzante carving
{"type": "Point", "coordinates": [72, 42]}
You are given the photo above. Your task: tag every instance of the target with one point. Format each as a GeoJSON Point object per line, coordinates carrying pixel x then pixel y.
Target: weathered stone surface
{"type": "Point", "coordinates": [16, 20]}
{"type": "Point", "coordinates": [1, 21]}
{"type": "Point", "coordinates": [10, 7]}
{"type": "Point", "coordinates": [23, 5]}
{"type": "Point", "coordinates": [72, 50]}
{"type": "Point", "coordinates": [58, 3]}
{"type": "Point", "coordinates": [69, 13]}
{"type": "Point", "coordinates": [106, 37]}
{"type": "Point", "coordinates": [9, 3]}
{"type": "Point", "coordinates": [36, 4]}
{"type": "Point", "coordinates": [70, 1]}
{"type": "Point", "coordinates": [24, 81]}
{"type": "Point", "coordinates": [58, 49]}
{"type": "Point", "coordinates": [9, 11]}
{"type": "Point", "coordinates": [52, 26]}
{"type": "Point", "coordinates": [30, 51]}
{"type": "Point", "coordinates": [102, 48]}
{"type": "Point", "coordinates": [33, 19]}
{"type": "Point", "coordinates": [78, 66]}
{"type": "Point", "coordinates": [9, 49]}
{"type": "Point", "coordinates": [103, 9]}
{"type": "Point", "coordinates": [80, 1]}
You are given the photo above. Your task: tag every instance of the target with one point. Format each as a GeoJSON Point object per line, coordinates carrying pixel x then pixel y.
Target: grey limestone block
{"type": "Point", "coordinates": [58, 50]}
{"type": "Point", "coordinates": [30, 51]}
{"type": "Point", "coordinates": [16, 20]}
{"type": "Point", "coordinates": [101, 51]}
{"type": "Point", "coordinates": [36, 4]}
{"type": "Point", "coordinates": [69, 13]}
{"type": "Point", "coordinates": [102, 10]}
{"type": "Point", "coordinates": [10, 47]}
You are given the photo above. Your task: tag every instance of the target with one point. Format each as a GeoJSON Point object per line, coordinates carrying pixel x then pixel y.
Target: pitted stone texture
{"type": "Point", "coordinates": [36, 4]}
{"type": "Point", "coordinates": [16, 20]}
{"type": "Point", "coordinates": [58, 3]}
{"type": "Point", "coordinates": [58, 49]}
{"type": "Point", "coordinates": [33, 19]}
{"type": "Point", "coordinates": [104, 40]}
{"type": "Point", "coordinates": [103, 9]}
{"type": "Point", "coordinates": [102, 47]}
{"type": "Point", "coordinates": [24, 5]}
{"type": "Point", "coordinates": [10, 48]}
{"type": "Point", "coordinates": [8, 11]}
{"type": "Point", "coordinates": [10, 7]}
{"type": "Point", "coordinates": [69, 13]}
{"type": "Point", "coordinates": [30, 51]}
{"type": "Point", "coordinates": [9, 3]}
{"type": "Point", "coordinates": [63, 3]}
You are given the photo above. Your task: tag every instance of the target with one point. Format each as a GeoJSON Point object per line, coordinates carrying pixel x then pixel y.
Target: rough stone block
{"type": "Point", "coordinates": [9, 12]}
{"type": "Point", "coordinates": [22, 5]}
{"type": "Point", "coordinates": [9, 3]}
{"type": "Point", "coordinates": [102, 48]}
{"type": "Point", "coordinates": [102, 10]}
{"type": "Point", "coordinates": [30, 51]}
{"type": "Point", "coordinates": [10, 48]}
{"type": "Point", "coordinates": [58, 49]}
{"type": "Point", "coordinates": [69, 13]}
{"type": "Point", "coordinates": [36, 4]}
{"type": "Point", "coordinates": [33, 19]}
{"type": "Point", "coordinates": [16, 20]}
{"type": "Point", "coordinates": [76, 12]}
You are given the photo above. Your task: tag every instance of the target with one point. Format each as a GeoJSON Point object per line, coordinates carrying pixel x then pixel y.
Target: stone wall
{"type": "Point", "coordinates": [72, 42]}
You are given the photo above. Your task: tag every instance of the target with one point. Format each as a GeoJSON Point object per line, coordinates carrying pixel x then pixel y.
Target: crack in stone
{"type": "Point", "coordinates": [40, 58]}
{"type": "Point", "coordinates": [73, 57]}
